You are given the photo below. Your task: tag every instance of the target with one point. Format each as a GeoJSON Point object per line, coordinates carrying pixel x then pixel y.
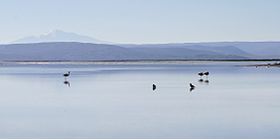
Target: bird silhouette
{"type": "Point", "coordinates": [154, 87]}
{"type": "Point", "coordinates": [206, 73]}
{"type": "Point", "coordinates": [66, 74]}
{"type": "Point", "coordinates": [200, 74]}
{"type": "Point", "coordinates": [192, 86]}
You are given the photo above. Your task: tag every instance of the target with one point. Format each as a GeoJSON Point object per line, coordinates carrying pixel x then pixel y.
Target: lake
{"type": "Point", "coordinates": [116, 101]}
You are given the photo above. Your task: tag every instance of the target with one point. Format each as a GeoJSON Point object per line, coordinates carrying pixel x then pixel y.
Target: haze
{"type": "Point", "coordinates": [145, 21]}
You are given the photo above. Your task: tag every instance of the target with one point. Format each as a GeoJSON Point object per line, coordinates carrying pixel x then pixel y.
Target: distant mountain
{"type": "Point", "coordinates": [88, 51]}
{"type": "Point", "coordinates": [259, 49]}
{"type": "Point", "coordinates": [59, 36]}
{"type": "Point", "coordinates": [191, 50]}
{"type": "Point", "coordinates": [93, 51]}
{"type": "Point", "coordinates": [269, 50]}
{"type": "Point", "coordinates": [224, 50]}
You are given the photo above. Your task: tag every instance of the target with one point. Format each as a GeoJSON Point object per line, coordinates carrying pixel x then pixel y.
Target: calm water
{"type": "Point", "coordinates": [117, 102]}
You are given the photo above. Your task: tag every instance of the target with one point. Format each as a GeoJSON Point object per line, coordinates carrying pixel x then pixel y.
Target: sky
{"type": "Point", "coordinates": [144, 21]}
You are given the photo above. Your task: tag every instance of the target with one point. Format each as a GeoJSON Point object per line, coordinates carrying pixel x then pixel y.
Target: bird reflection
{"type": "Point", "coordinates": [203, 81]}
{"type": "Point", "coordinates": [191, 89]}
{"type": "Point", "coordinates": [67, 83]}
{"type": "Point", "coordinates": [200, 80]}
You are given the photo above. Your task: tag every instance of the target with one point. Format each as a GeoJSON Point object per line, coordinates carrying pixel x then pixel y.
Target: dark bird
{"type": "Point", "coordinates": [154, 87]}
{"type": "Point", "coordinates": [206, 73]}
{"type": "Point", "coordinates": [66, 74]}
{"type": "Point", "coordinates": [200, 80]}
{"type": "Point", "coordinates": [200, 74]}
{"type": "Point", "coordinates": [192, 86]}
{"type": "Point", "coordinates": [206, 81]}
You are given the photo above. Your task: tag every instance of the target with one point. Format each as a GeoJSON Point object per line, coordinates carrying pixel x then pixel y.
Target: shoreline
{"type": "Point", "coordinates": [145, 60]}
{"type": "Point", "coordinates": [267, 65]}
{"type": "Point", "coordinates": [245, 62]}
{"type": "Point", "coordinates": [142, 60]}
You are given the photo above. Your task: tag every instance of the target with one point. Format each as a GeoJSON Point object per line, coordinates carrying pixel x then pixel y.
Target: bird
{"type": "Point", "coordinates": [154, 87]}
{"type": "Point", "coordinates": [66, 74]}
{"type": "Point", "coordinates": [200, 74]}
{"type": "Point", "coordinates": [206, 73]}
{"type": "Point", "coordinates": [192, 86]}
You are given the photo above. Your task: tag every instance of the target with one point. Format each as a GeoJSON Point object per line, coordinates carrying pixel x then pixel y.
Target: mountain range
{"type": "Point", "coordinates": [59, 36]}
{"type": "Point", "coordinates": [59, 45]}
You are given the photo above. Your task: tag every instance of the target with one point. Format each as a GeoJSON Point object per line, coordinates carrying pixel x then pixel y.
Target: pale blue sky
{"type": "Point", "coordinates": [144, 21]}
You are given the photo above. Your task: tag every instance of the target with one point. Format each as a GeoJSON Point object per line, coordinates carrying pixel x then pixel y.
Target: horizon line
{"type": "Point", "coordinates": [198, 42]}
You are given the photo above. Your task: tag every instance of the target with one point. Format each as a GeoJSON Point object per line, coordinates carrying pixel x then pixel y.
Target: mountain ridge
{"type": "Point", "coordinates": [60, 39]}
{"type": "Point", "coordinates": [89, 51]}
{"type": "Point", "coordinates": [58, 36]}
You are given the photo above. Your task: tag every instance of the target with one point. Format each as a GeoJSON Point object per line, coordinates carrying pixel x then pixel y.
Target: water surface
{"type": "Point", "coordinates": [116, 101]}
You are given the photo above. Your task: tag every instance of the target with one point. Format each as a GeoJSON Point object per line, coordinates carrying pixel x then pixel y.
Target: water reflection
{"type": "Point", "coordinates": [191, 89]}
{"type": "Point", "coordinates": [67, 83]}
{"type": "Point", "coordinates": [234, 107]}
{"type": "Point", "coordinates": [201, 81]}
{"type": "Point", "coordinates": [206, 82]}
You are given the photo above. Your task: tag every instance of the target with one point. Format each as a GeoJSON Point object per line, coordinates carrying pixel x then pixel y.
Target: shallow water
{"type": "Point", "coordinates": [117, 102]}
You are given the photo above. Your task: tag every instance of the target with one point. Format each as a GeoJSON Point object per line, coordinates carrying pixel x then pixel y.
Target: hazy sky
{"type": "Point", "coordinates": [144, 21]}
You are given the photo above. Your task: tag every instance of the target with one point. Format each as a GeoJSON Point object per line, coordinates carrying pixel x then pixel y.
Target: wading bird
{"type": "Point", "coordinates": [206, 73]}
{"type": "Point", "coordinates": [154, 87]}
{"type": "Point", "coordinates": [66, 74]}
{"type": "Point", "coordinates": [200, 74]}
{"type": "Point", "coordinates": [192, 86]}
